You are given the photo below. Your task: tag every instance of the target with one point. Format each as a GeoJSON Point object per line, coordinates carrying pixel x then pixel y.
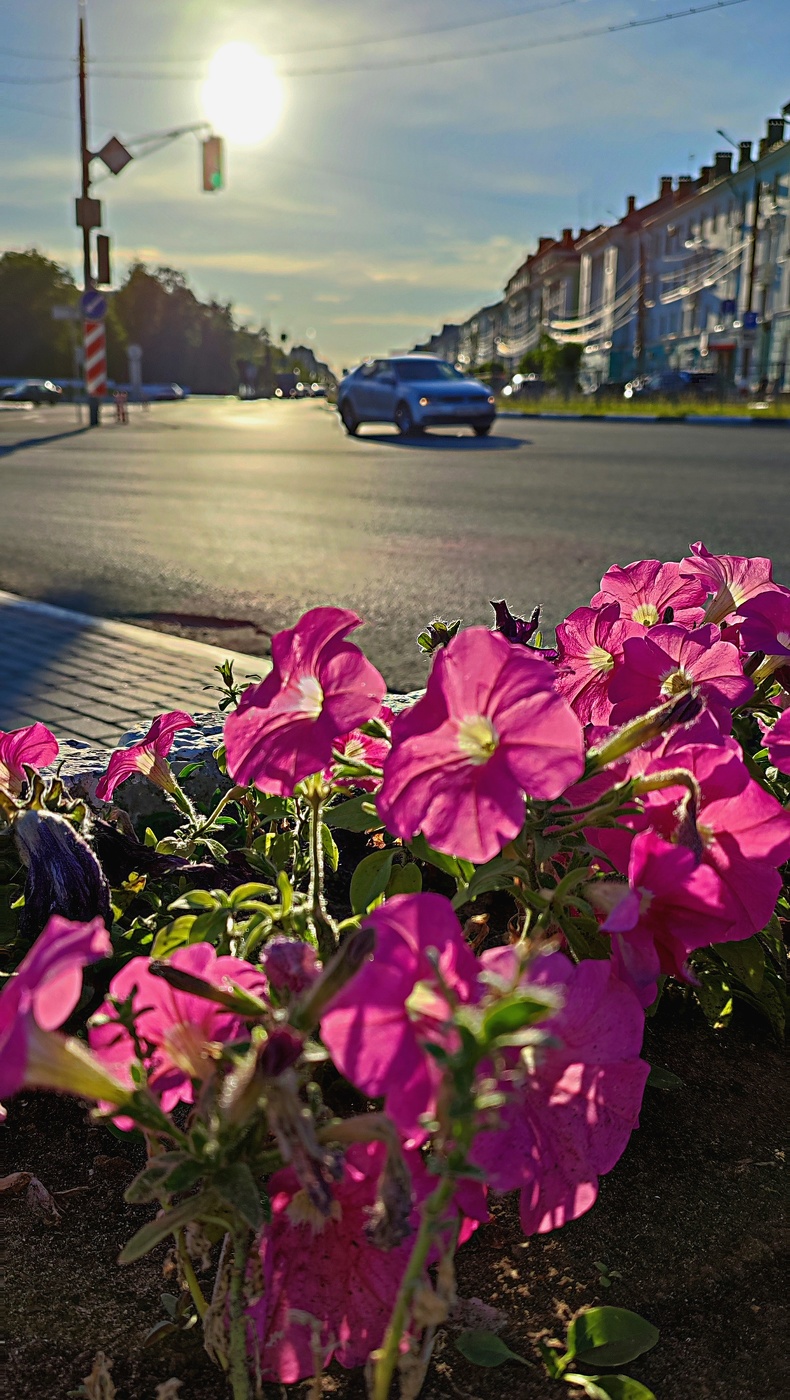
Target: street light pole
{"type": "Point", "coordinates": [85, 188]}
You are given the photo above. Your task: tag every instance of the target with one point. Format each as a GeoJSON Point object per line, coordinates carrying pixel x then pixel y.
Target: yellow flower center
{"type": "Point", "coordinates": [311, 697]}
{"type": "Point", "coordinates": [646, 613]}
{"type": "Point", "coordinates": [676, 683]}
{"type": "Point", "coordinates": [189, 1051]}
{"type": "Point", "coordinates": [599, 659]}
{"type": "Point", "coordinates": [301, 1211]}
{"type": "Point", "coordinates": [477, 738]}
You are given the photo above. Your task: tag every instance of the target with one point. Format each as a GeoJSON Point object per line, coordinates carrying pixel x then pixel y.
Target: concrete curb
{"type": "Point", "coordinates": [139, 636]}
{"type": "Point", "coordinates": [718, 419]}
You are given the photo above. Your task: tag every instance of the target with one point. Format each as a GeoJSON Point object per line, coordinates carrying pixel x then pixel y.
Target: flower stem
{"type": "Point", "coordinates": [239, 1371]}
{"type": "Point", "coordinates": [322, 924]}
{"type": "Point", "coordinates": [387, 1356]}
{"type": "Point", "coordinates": [190, 1275]}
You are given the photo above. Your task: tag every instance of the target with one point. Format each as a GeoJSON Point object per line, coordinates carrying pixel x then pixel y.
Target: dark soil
{"type": "Point", "coordinates": [691, 1219]}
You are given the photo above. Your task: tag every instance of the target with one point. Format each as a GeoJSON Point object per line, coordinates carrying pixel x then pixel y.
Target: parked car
{"type": "Point", "coordinates": [414, 392]}
{"type": "Point", "coordinates": [676, 384]}
{"type": "Point", "coordinates": [33, 391]}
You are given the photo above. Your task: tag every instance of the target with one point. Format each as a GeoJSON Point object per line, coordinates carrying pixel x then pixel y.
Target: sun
{"type": "Point", "coordinates": [242, 96]}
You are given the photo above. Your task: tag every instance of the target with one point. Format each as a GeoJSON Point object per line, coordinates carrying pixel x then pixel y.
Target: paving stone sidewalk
{"type": "Point", "coordinates": [93, 680]}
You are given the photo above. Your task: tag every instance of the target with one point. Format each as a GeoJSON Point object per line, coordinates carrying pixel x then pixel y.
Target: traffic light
{"type": "Point", "coordinates": [103, 278]}
{"type": "Point", "coordinates": [212, 163]}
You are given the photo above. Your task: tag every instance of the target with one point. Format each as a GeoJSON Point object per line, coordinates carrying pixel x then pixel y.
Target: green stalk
{"type": "Point", "coordinates": [387, 1357]}
{"type": "Point", "coordinates": [190, 1275]}
{"type": "Point", "coordinates": [239, 1371]}
{"type": "Point", "coordinates": [232, 795]}
{"type": "Point", "coordinates": [322, 925]}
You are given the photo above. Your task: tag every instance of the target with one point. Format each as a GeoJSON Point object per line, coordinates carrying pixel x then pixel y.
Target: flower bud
{"type": "Point", "coordinates": [63, 875]}
{"type": "Point", "coordinates": [347, 961]}
{"type": "Point", "coordinates": [682, 710]}
{"type": "Point", "coordinates": [290, 966]}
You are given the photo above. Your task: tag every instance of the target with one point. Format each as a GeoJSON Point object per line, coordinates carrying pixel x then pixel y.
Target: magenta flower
{"type": "Point", "coordinates": [376, 1029]}
{"type": "Point", "coordinates": [647, 588]}
{"type": "Point", "coordinates": [41, 995]}
{"type": "Point", "coordinates": [778, 743]}
{"type": "Point", "coordinates": [729, 579]}
{"type": "Point", "coordinates": [674, 904]}
{"type": "Point", "coordinates": [568, 1117]}
{"type": "Point", "coordinates": [35, 746]}
{"type": "Point", "coordinates": [590, 643]}
{"type": "Point", "coordinates": [148, 757]}
{"type": "Point", "coordinates": [765, 626]}
{"type": "Point", "coordinates": [290, 966]}
{"type": "Point", "coordinates": [184, 1034]}
{"type": "Point", "coordinates": [361, 748]}
{"type": "Point", "coordinates": [490, 728]}
{"type": "Point", "coordinates": [320, 687]}
{"type": "Point", "coordinates": [668, 661]}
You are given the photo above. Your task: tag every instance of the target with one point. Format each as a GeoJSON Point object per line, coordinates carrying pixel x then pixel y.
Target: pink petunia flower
{"type": "Point", "coordinates": [490, 728]}
{"type": "Point", "coordinates": [362, 748]}
{"type": "Point", "coordinates": [778, 743]}
{"type": "Point", "coordinates": [183, 1033]}
{"type": "Point", "coordinates": [668, 661]}
{"type": "Point", "coordinates": [729, 579]}
{"type": "Point", "coordinates": [377, 1027]}
{"type": "Point", "coordinates": [740, 831]}
{"type": "Point", "coordinates": [647, 588]}
{"type": "Point", "coordinates": [568, 1117]}
{"type": "Point", "coordinates": [41, 995]}
{"type": "Point", "coordinates": [765, 626]}
{"type": "Point", "coordinates": [319, 689]}
{"type": "Point", "coordinates": [291, 966]}
{"type": "Point", "coordinates": [590, 643]}
{"type": "Point", "coordinates": [35, 746]}
{"type": "Point", "coordinates": [339, 1303]}
{"type": "Point", "coordinates": [148, 757]}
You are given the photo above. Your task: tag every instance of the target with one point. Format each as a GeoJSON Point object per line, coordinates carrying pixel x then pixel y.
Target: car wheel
{"type": "Point", "coordinates": [481, 429]}
{"type": "Point", "coordinates": [349, 418]}
{"type": "Point", "coordinates": [403, 420]}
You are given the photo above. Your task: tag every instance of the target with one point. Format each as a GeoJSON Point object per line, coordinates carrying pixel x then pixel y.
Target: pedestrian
{"type": "Point", "coordinates": [121, 406]}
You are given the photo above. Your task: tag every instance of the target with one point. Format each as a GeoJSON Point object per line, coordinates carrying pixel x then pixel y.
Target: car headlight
{"type": "Point", "coordinates": [424, 402]}
{"type": "Point", "coordinates": [491, 398]}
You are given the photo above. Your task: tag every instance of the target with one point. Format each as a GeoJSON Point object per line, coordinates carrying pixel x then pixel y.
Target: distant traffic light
{"type": "Point", "coordinates": [212, 163]}
{"type": "Point", "coordinates": [103, 278]}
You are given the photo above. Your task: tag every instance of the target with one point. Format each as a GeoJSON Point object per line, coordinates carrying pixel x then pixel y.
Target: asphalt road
{"type": "Point", "coordinates": [223, 520]}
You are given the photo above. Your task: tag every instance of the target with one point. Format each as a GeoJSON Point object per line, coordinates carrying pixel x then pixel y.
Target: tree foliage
{"type": "Point", "coordinates": [556, 364]}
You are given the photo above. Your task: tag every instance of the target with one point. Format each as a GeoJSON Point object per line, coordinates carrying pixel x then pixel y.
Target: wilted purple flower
{"type": "Point", "coordinates": [63, 875]}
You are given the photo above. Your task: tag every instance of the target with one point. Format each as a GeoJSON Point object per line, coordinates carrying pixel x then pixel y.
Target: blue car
{"type": "Point", "coordinates": [414, 392]}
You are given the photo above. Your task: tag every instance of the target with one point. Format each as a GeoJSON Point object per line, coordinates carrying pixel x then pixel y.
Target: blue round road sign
{"type": "Point", "coordinates": [93, 306]}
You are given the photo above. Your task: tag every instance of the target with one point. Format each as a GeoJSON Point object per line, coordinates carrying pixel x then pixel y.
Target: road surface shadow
{"type": "Point", "coordinates": [438, 442]}
{"type": "Point", "coordinates": [7, 449]}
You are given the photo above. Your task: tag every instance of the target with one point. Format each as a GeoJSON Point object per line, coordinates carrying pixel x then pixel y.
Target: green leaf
{"type": "Point", "coordinates": [461, 870]}
{"type": "Point", "coordinates": [610, 1387]}
{"type": "Point", "coordinates": [172, 936]}
{"type": "Point", "coordinates": [151, 1180]}
{"type": "Point", "coordinates": [405, 879]}
{"type": "Point", "coordinates": [188, 769]}
{"type": "Point", "coordinates": [156, 1230]}
{"type": "Point", "coordinates": [609, 1336]}
{"type": "Point", "coordinates": [194, 899]}
{"type": "Point", "coordinates": [236, 1185]}
{"type": "Point", "coordinates": [496, 874]}
{"type": "Point", "coordinates": [330, 847]}
{"type": "Point", "coordinates": [746, 959]}
{"type": "Point", "coordinates": [251, 891]}
{"type": "Point", "coordinates": [486, 1349]}
{"type": "Point", "coordinates": [370, 879]}
{"type": "Point", "coordinates": [514, 1013]}
{"type": "Point", "coordinates": [660, 1078]}
{"type": "Point", "coordinates": [185, 1176]}
{"type": "Point", "coordinates": [358, 814]}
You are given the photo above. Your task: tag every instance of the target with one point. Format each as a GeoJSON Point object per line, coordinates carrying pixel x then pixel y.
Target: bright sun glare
{"type": "Point", "coordinates": [243, 96]}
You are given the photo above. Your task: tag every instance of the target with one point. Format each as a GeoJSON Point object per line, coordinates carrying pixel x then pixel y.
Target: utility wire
{"type": "Point", "coordinates": [321, 48]}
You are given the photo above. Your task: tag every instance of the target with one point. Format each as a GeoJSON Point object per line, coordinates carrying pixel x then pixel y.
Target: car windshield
{"type": "Point", "coordinates": [423, 370]}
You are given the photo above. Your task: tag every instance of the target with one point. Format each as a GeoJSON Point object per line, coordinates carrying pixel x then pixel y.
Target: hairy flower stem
{"type": "Point", "coordinates": [238, 1371]}
{"type": "Point", "coordinates": [232, 795]}
{"type": "Point", "coordinates": [323, 928]}
{"type": "Point", "coordinates": [387, 1357]}
{"type": "Point", "coordinates": [190, 1277]}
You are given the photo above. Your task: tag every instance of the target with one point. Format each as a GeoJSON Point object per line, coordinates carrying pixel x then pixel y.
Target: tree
{"type": "Point", "coordinates": [31, 342]}
{"type": "Point", "coordinates": [555, 363]}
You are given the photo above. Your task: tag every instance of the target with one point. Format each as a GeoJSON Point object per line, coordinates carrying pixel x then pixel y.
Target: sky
{"type": "Point", "coordinates": [402, 185]}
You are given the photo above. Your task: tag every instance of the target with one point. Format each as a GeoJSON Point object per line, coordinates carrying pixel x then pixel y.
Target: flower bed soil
{"type": "Point", "coordinates": [691, 1218]}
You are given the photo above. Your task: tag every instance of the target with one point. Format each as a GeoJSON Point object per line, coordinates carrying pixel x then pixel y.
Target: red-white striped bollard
{"type": "Point", "coordinates": [95, 342]}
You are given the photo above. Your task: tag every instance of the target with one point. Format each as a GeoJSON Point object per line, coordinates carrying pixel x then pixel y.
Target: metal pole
{"type": "Point", "coordinates": [747, 356]}
{"type": "Point", "coordinates": [85, 163]}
